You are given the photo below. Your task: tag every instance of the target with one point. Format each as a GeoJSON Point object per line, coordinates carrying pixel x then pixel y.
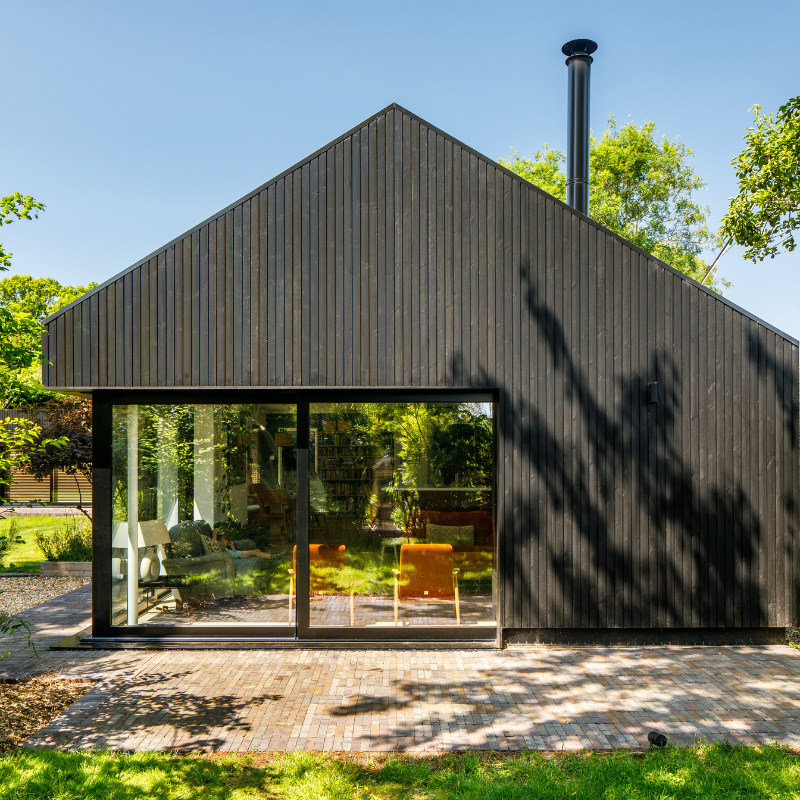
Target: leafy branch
{"type": "Point", "coordinates": [16, 206]}
{"type": "Point", "coordinates": [764, 214]}
{"type": "Point", "coordinates": [19, 440]}
{"type": "Point", "coordinates": [10, 624]}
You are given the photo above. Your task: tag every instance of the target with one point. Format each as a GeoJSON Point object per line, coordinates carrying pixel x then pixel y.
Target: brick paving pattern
{"type": "Point", "coordinates": [542, 698]}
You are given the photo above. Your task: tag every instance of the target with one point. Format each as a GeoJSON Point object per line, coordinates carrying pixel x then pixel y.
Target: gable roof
{"type": "Point", "coordinates": [464, 147]}
{"type": "Point", "coordinates": [395, 256]}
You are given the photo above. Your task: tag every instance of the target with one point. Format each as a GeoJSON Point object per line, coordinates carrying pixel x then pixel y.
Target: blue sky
{"type": "Point", "coordinates": [135, 121]}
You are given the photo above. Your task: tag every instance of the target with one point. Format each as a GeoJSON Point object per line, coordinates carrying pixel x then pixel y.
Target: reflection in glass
{"type": "Point", "coordinates": [401, 524]}
{"type": "Point", "coordinates": [204, 514]}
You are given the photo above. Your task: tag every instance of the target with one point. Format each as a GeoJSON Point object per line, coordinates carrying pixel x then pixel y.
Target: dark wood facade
{"type": "Point", "coordinates": [398, 257]}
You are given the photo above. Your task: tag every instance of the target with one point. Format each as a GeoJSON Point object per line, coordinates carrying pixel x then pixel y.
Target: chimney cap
{"type": "Point", "coordinates": [579, 47]}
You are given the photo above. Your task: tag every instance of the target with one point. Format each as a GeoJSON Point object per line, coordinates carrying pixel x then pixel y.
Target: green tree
{"type": "Point", "coordinates": [70, 423]}
{"type": "Point", "coordinates": [38, 297]}
{"type": "Point", "coordinates": [763, 216]}
{"type": "Point", "coordinates": [20, 359]}
{"type": "Point", "coordinates": [17, 331]}
{"type": "Point", "coordinates": [543, 170]}
{"type": "Point", "coordinates": [22, 294]}
{"type": "Point", "coordinates": [26, 301]}
{"type": "Point", "coordinates": [438, 445]}
{"type": "Point", "coordinates": [19, 440]}
{"type": "Point", "coordinates": [641, 187]}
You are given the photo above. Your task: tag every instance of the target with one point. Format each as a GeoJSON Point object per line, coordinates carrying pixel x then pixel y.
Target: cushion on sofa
{"type": "Point", "coordinates": [211, 545]}
{"type": "Point", "coordinates": [186, 542]}
{"type": "Point", "coordinates": [481, 522]}
{"type": "Point", "coordinates": [449, 534]}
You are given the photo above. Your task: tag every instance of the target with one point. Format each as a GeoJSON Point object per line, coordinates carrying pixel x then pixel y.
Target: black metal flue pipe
{"type": "Point", "coordinates": [579, 60]}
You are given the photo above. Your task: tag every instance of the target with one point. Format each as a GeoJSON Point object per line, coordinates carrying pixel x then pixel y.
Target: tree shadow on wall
{"type": "Point", "coordinates": [616, 516]}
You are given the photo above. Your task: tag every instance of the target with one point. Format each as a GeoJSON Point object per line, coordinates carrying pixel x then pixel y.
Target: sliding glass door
{"type": "Point", "coordinates": [401, 526]}
{"type": "Point", "coordinates": [204, 517]}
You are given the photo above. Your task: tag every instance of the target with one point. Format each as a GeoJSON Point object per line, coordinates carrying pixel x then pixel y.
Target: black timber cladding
{"type": "Point", "coordinates": [398, 257]}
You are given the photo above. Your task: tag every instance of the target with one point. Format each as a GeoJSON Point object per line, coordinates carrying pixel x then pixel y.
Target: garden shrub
{"type": "Point", "coordinates": [9, 538]}
{"type": "Point", "coordinates": [69, 541]}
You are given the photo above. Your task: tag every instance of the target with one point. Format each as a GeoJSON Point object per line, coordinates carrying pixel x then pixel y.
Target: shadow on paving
{"type": "Point", "coordinates": [696, 688]}
{"type": "Point", "coordinates": [494, 700]}
{"type": "Point", "coordinates": [117, 716]}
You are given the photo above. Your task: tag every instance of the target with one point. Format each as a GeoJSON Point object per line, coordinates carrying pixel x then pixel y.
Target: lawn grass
{"type": "Point", "coordinates": [26, 557]}
{"type": "Point", "coordinates": [707, 772]}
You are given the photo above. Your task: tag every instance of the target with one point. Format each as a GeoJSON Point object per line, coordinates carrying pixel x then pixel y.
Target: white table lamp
{"type": "Point", "coordinates": [151, 534]}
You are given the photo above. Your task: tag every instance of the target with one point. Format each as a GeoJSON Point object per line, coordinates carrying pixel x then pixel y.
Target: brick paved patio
{"type": "Point", "coordinates": [543, 698]}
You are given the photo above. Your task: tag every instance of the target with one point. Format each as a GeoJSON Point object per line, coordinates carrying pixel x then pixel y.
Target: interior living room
{"type": "Point", "coordinates": [400, 515]}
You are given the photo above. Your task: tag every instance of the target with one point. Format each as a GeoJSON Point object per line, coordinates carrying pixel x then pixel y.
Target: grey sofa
{"type": "Point", "coordinates": [207, 575]}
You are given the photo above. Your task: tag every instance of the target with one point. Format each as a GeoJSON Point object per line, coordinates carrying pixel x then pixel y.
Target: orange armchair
{"type": "Point", "coordinates": [426, 573]}
{"type": "Point", "coordinates": [322, 560]}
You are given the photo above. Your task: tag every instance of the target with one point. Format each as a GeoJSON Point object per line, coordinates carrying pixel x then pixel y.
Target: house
{"type": "Point", "coordinates": [430, 402]}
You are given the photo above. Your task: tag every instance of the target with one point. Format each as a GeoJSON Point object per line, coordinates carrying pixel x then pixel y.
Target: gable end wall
{"type": "Point", "coordinates": [399, 258]}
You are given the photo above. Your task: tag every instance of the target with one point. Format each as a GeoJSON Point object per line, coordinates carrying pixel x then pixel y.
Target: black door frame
{"type": "Point", "coordinates": [302, 630]}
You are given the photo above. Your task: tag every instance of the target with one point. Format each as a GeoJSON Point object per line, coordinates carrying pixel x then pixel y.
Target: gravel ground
{"type": "Point", "coordinates": [30, 704]}
{"type": "Point", "coordinates": [17, 594]}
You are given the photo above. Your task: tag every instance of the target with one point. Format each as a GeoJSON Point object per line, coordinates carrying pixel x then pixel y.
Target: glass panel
{"type": "Point", "coordinates": [401, 527]}
{"type": "Point", "coordinates": [204, 508]}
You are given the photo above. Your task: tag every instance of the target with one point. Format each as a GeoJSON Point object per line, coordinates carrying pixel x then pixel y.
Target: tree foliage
{"type": "Point", "coordinates": [544, 170]}
{"type": "Point", "coordinates": [641, 188]}
{"type": "Point", "coordinates": [65, 443]}
{"type": "Point", "coordinates": [17, 437]}
{"type": "Point", "coordinates": [18, 332]}
{"type": "Point", "coordinates": [20, 341]}
{"type": "Point", "coordinates": [763, 216]}
{"type": "Point", "coordinates": [16, 206]}
{"type": "Point", "coordinates": [24, 302]}
{"type": "Point", "coordinates": [70, 424]}
{"type": "Point", "coordinates": [166, 433]}
{"type": "Point", "coordinates": [20, 440]}
{"type": "Point", "coordinates": [38, 297]}
{"type": "Point", "coordinates": [440, 444]}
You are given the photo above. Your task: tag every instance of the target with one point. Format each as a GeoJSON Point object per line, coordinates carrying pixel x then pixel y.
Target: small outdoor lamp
{"type": "Point", "coordinates": [657, 739]}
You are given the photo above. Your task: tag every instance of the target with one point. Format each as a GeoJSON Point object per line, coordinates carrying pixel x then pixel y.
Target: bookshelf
{"type": "Point", "coordinates": [344, 462]}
